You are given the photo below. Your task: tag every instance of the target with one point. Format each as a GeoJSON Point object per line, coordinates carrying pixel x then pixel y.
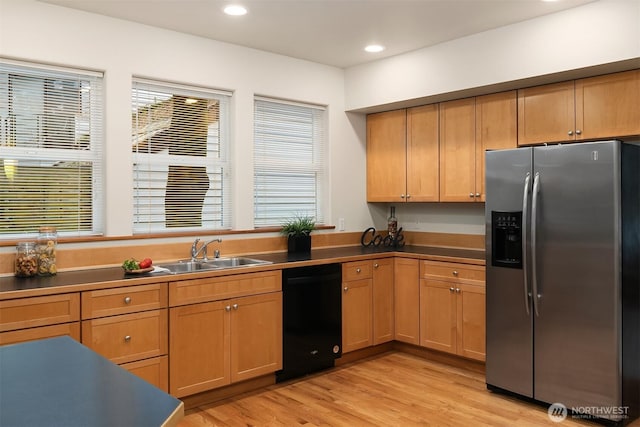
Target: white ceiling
{"type": "Point", "coordinates": [332, 32]}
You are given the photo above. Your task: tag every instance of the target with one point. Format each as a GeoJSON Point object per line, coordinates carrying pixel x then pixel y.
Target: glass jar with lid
{"type": "Point", "coordinates": [26, 259]}
{"type": "Point", "coordinates": [46, 249]}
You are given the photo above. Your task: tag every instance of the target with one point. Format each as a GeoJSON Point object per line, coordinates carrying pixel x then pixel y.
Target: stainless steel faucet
{"type": "Point", "coordinates": [203, 249]}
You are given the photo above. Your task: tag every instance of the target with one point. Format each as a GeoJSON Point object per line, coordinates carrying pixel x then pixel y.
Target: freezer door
{"type": "Point", "coordinates": [509, 363]}
{"type": "Point", "coordinates": [577, 300]}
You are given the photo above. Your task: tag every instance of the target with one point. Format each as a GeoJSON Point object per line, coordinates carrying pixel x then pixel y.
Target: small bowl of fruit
{"type": "Point", "coordinates": [133, 266]}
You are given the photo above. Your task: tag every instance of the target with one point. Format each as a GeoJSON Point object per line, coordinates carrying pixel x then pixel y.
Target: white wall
{"type": "Point", "coordinates": [40, 32]}
{"type": "Point", "coordinates": [597, 33]}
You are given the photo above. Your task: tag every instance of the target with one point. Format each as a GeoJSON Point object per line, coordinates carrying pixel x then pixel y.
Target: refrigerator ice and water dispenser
{"type": "Point", "coordinates": [506, 235]}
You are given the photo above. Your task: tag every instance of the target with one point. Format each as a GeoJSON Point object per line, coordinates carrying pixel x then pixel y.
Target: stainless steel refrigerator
{"type": "Point", "coordinates": [563, 275]}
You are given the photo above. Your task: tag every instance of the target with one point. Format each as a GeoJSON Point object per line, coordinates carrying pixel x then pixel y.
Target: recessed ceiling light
{"type": "Point", "coordinates": [235, 10]}
{"type": "Point", "coordinates": [374, 48]}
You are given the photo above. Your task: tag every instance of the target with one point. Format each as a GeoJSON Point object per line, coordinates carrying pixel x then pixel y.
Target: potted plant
{"type": "Point", "coordinates": [298, 231]}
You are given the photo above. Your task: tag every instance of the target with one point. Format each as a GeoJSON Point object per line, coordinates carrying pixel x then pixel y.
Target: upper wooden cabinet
{"type": "Point", "coordinates": [608, 106]}
{"type": "Point", "coordinates": [386, 156]}
{"type": "Point", "coordinates": [469, 127]}
{"type": "Point", "coordinates": [593, 108]}
{"type": "Point", "coordinates": [402, 155]}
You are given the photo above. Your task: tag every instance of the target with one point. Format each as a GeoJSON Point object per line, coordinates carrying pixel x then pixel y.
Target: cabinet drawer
{"type": "Point", "coordinates": [154, 371]}
{"type": "Point", "coordinates": [356, 270]}
{"type": "Point", "coordinates": [22, 335]}
{"type": "Point", "coordinates": [128, 337]}
{"type": "Point", "coordinates": [109, 302]}
{"type": "Point", "coordinates": [211, 289]}
{"type": "Point", "coordinates": [449, 271]}
{"type": "Point", "coordinates": [39, 311]}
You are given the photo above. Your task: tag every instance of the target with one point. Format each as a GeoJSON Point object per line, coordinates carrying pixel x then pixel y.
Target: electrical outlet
{"type": "Point", "coordinates": [340, 224]}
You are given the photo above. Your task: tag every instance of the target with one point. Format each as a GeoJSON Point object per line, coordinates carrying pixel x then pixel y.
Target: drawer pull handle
{"type": "Point", "coordinates": [357, 270]}
{"type": "Point", "coordinates": [127, 300]}
{"type": "Point", "coordinates": [127, 338]}
{"type": "Point", "coordinates": [235, 306]}
{"type": "Point", "coordinates": [455, 273]}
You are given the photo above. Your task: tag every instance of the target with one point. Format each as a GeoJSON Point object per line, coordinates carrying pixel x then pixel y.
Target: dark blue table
{"type": "Point", "coordinates": [60, 382]}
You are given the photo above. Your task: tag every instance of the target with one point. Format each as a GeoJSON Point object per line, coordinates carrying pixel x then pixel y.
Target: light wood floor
{"type": "Point", "coordinates": [393, 389]}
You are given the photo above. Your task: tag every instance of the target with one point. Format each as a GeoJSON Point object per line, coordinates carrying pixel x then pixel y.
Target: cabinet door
{"type": "Point", "coordinates": [438, 315]}
{"type": "Point", "coordinates": [256, 335]}
{"type": "Point", "coordinates": [407, 300]}
{"type": "Point", "coordinates": [199, 347]}
{"type": "Point", "coordinates": [546, 114]}
{"type": "Point", "coordinates": [496, 129]}
{"type": "Point", "coordinates": [608, 106]}
{"type": "Point", "coordinates": [423, 180]}
{"type": "Point", "coordinates": [386, 156]}
{"type": "Point", "coordinates": [471, 323]}
{"type": "Point", "coordinates": [382, 301]}
{"type": "Point", "coordinates": [457, 150]}
{"type": "Point", "coordinates": [356, 315]}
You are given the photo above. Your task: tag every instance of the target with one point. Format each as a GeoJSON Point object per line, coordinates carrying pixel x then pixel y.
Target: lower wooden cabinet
{"type": "Point", "coordinates": [367, 303]}
{"type": "Point", "coordinates": [407, 300]}
{"type": "Point", "coordinates": [216, 343]}
{"type": "Point", "coordinates": [129, 326]}
{"type": "Point", "coordinates": [452, 308]}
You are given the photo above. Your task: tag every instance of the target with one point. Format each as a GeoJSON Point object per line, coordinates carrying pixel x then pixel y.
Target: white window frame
{"type": "Point", "coordinates": [30, 152]}
{"type": "Point", "coordinates": [149, 217]}
{"type": "Point", "coordinates": [290, 155]}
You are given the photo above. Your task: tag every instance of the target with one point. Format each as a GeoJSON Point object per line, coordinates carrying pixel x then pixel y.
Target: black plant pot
{"type": "Point", "coordinates": [299, 244]}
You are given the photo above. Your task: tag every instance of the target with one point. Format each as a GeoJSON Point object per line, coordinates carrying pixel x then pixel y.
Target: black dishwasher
{"type": "Point", "coordinates": [312, 319]}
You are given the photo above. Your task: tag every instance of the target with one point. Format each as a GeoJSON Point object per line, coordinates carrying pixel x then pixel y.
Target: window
{"type": "Point", "coordinates": [51, 138]}
{"type": "Point", "coordinates": [289, 165]}
{"type": "Point", "coordinates": [181, 177]}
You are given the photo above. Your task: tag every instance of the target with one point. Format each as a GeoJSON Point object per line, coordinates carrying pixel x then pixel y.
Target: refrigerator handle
{"type": "Point", "coordinates": [525, 266]}
{"type": "Point", "coordinates": [534, 221]}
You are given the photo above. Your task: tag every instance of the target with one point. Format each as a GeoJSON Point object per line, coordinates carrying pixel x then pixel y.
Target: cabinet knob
{"type": "Point", "coordinates": [578, 132]}
{"type": "Point", "coordinates": [477, 194]}
{"type": "Point", "coordinates": [408, 196]}
{"type": "Point", "coordinates": [458, 290]}
{"type": "Point", "coordinates": [227, 308]}
{"type": "Point", "coordinates": [127, 338]}
{"type": "Point", "coordinates": [346, 288]}
{"type": "Point", "coordinates": [570, 133]}
{"type": "Point", "coordinates": [375, 265]}
{"type": "Point", "coordinates": [402, 196]}
{"type": "Point", "coordinates": [358, 270]}
{"type": "Point", "coordinates": [451, 289]}
{"type": "Point", "coordinates": [127, 300]}
{"type": "Point", "coordinates": [235, 306]}
{"type": "Point", "coordinates": [455, 273]}
{"type": "Point", "coordinates": [471, 195]}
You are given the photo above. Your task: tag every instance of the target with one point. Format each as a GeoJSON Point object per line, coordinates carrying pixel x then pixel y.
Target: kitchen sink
{"type": "Point", "coordinates": [234, 262]}
{"type": "Point", "coordinates": [188, 266]}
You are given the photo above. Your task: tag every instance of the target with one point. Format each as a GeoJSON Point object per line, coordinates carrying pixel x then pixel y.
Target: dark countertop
{"type": "Point", "coordinates": [60, 382]}
{"type": "Point", "coordinates": [101, 278]}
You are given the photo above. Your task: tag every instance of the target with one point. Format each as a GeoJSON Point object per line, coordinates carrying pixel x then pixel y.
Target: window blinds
{"type": "Point", "coordinates": [289, 161]}
{"type": "Point", "coordinates": [181, 173]}
{"type": "Point", "coordinates": [51, 140]}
